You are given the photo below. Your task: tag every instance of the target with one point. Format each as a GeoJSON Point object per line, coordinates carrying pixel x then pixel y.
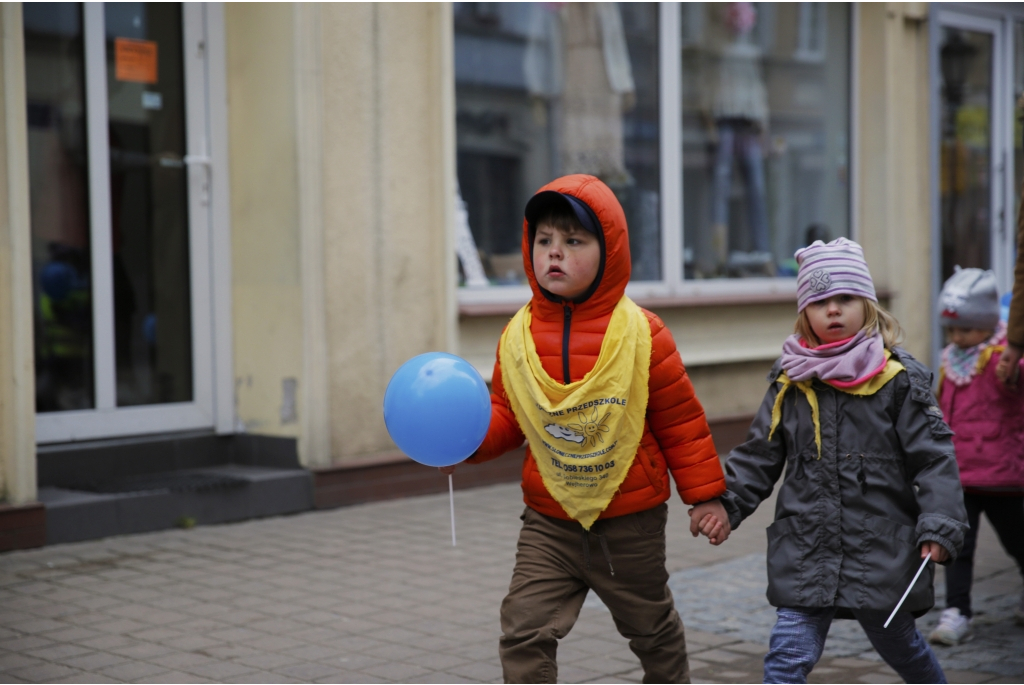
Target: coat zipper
{"type": "Point", "coordinates": [566, 324]}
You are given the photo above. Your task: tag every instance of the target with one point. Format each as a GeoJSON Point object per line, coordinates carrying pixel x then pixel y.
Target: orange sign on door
{"type": "Point", "coordinates": [135, 60]}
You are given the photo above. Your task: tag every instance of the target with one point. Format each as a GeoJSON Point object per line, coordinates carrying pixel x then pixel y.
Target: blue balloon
{"type": "Point", "coordinates": [437, 409]}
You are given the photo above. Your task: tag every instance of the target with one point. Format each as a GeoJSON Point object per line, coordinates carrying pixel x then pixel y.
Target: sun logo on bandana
{"type": "Point", "coordinates": [590, 428]}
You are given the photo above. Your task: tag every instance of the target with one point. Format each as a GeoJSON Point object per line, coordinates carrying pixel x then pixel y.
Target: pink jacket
{"type": "Point", "coordinates": [988, 424]}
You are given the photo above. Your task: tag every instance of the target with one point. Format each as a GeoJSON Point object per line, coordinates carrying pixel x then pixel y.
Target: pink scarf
{"type": "Point", "coordinates": [843, 364]}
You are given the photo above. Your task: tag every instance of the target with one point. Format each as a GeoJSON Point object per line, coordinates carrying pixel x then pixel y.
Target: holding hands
{"type": "Point", "coordinates": [709, 518]}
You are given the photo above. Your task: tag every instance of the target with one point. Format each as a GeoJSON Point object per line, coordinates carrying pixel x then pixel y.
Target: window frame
{"type": "Point", "coordinates": [673, 289]}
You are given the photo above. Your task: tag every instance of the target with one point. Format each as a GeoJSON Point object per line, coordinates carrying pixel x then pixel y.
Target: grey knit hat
{"type": "Point", "coordinates": [970, 299]}
{"type": "Point", "coordinates": [835, 268]}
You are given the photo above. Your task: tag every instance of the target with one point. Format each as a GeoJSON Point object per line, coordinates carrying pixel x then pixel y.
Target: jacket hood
{"type": "Point", "coordinates": [617, 262]}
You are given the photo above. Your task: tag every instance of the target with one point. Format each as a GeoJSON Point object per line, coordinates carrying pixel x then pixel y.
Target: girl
{"type": "Point", "coordinates": [988, 420]}
{"type": "Point", "coordinates": [870, 485]}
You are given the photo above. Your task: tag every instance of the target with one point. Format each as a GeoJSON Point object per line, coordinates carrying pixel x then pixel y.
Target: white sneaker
{"type": "Point", "coordinates": [953, 628]}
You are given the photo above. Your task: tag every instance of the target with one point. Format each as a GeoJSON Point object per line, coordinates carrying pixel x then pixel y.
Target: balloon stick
{"type": "Point", "coordinates": [451, 506]}
{"type": "Point", "coordinates": [909, 588]}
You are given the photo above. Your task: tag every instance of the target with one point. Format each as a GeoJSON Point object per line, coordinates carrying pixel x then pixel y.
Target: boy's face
{"type": "Point", "coordinates": [565, 263]}
{"type": "Point", "coordinates": [967, 337]}
{"type": "Point", "coordinates": [837, 318]}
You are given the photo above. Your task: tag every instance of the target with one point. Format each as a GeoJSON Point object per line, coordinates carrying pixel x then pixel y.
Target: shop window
{"type": "Point", "coordinates": [754, 164]}
{"type": "Point", "coordinates": [547, 89]}
{"type": "Point", "coordinates": [765, 131]}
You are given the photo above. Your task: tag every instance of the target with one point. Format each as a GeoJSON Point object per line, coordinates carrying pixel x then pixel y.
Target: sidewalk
{"type": "Point", "coordinates": [376, 593]}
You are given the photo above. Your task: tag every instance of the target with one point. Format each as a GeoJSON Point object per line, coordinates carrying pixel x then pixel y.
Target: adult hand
{"type": "Point", "coordinates": [710, 519]}
{"type": "Point", "coordinates": [939, 553]}
{"type": "Point", "coordinates": [1007, 370]}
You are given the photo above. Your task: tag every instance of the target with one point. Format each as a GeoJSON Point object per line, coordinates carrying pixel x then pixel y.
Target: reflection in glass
{"type": "Point", "coordinates": [149, 203]}
{"type": "Point", "coordinates": [546, 89]}
{"type": "Point", "coordinates": [965, 186]}
{"type": "Point", "coordinates": [58, 189]}
{"type": "Point", "coordinates": [765, 123]}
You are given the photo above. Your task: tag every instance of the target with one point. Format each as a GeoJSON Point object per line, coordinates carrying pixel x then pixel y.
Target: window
{"type": "Point", "coordinates": [766, 136]}
{"type": "Point", "coordinates": [722, 128]}
{"type": "Point", "coordinates": [547, 89]}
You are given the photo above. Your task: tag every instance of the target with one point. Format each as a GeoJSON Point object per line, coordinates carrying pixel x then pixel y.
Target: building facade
{"type": "Point", "coordinates": [229, 224]}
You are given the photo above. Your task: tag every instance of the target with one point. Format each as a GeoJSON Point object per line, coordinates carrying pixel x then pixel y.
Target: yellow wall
{"type": "Point", "coordinates": [342, 178]}
{"type": "Point", "coordinates": [265, 240]}
{"type": "Point", "coordinates": [17, 371]}
{"type": "Point", "coordinates": [894, 168]}
{"type": "Point", "coordinates": [388, 193]}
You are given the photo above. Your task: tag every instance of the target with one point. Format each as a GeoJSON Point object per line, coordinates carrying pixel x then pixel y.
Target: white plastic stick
{"type": "Point", "coordinates": [909, 588]}
{"type": "Point", "coordinates": [451, 503]}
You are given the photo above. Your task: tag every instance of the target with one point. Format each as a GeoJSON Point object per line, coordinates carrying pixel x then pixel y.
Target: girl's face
{"type": "Point", "coordinates": [837, 318]}
{"type": "Point", "coordinates": [565, 263]}
{"type": "Point", "coordinates": [967, 337]}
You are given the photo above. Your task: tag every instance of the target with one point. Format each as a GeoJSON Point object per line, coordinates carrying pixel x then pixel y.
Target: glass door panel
{"type": "Point", "coordinates": [59, 195]}
{"type": "Point", "coordinates": [122, 202]}
{"type": "Point", "coordinates": [148, 203]}
{"type": "Point", "coordinates": [966, 183]}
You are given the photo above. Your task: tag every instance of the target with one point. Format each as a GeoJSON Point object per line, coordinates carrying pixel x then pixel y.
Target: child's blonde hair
{"type": "Point", "coordinates": [876, 320]}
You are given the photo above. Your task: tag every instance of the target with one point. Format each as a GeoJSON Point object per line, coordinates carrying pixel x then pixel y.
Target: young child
{"type": "Point", "coordinates": [870, 485]}
{"type": "Point", "coordinates": [595, 385]}
{"type": "Point", "coordinates": [987, 419]}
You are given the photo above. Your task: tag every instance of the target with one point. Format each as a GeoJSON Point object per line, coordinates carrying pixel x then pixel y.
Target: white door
{"type": "Point", "coordinates": [123, 212]}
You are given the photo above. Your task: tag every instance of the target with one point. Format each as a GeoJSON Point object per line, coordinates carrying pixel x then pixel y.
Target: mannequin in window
{"type": "Point", "coordinates": [735, 109]}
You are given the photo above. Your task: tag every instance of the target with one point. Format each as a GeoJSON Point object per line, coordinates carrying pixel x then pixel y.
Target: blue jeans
{"type": "Point", "coordinates": [739, 138]}
{"type": "Point", "coordinates": [798, 639]}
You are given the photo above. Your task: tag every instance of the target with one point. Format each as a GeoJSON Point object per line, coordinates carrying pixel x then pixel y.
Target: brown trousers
{"type": "Point", "coordinates": [622, 559]}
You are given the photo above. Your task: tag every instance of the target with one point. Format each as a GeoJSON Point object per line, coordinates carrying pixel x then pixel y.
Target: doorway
{"type": "Point", "coordinates": [123, 205]}
{"type": "Point", "coordinates": [977, 76]}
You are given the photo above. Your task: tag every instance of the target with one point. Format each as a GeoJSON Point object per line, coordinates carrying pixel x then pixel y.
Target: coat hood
{"type": "Point", "coordinates": [617, 262]}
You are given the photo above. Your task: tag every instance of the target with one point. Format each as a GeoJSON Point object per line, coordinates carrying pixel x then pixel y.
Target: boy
{"type": "Point", "coordinates": [595, 385]}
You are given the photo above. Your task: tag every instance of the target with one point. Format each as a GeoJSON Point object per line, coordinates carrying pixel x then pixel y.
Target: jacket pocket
{"type": "Point", "coordinates": [888, 559]}
{"type": "Point", "coordinates": [649, 468]}
{"type": "Point", "coordinates": [786, 561]}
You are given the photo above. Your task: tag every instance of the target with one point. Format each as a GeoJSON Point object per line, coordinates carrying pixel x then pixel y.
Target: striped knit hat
{"type": "Point", "coordinates": [837, 268]}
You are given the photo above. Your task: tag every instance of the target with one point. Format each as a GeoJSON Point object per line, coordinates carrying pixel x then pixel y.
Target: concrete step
{"type": "Point", "coordinates": [254, 492]}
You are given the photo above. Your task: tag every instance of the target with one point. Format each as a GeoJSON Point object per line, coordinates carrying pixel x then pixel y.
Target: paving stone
{"type": "Point", "coordinates": [132, 670]}
{"type": "Point", "coordinates": [876, 677]}
{"type": "Point", "coordinates": [44, 672]}
{"type": "Point", "coordinates": [301, 598]}
{"type": "Point", "coordinates": [174, 677]}
{"type": "Point", "coordinates": [86, 678]}
{"type": "Point", "coordinates": [93, 661]}
{"type": "Point", "coordinates": [308, 672]}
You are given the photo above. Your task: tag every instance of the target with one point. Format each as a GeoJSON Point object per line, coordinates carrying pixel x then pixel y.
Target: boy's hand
{"type": "Point", "coordinates": [710, 519]}
{"type": "Point", "coordinates": [939, 553]}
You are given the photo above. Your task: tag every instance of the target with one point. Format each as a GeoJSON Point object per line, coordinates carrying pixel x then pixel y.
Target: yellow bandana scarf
{"type": "Point", "coordinates": [868, 387]}
{"type": "Point", "coordinates": [584, 435]}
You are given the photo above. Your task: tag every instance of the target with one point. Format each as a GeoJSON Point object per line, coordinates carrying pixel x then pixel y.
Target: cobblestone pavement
{"type": "Point", "coordinates": [376, 593]}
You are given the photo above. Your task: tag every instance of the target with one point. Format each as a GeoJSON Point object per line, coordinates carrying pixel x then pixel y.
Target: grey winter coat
{"type": "Point", "coordinates": [849, 527]}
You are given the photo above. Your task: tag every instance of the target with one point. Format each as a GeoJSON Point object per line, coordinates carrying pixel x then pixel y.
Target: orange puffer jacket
{"type": "Point", "coordinates": [676, 437]}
